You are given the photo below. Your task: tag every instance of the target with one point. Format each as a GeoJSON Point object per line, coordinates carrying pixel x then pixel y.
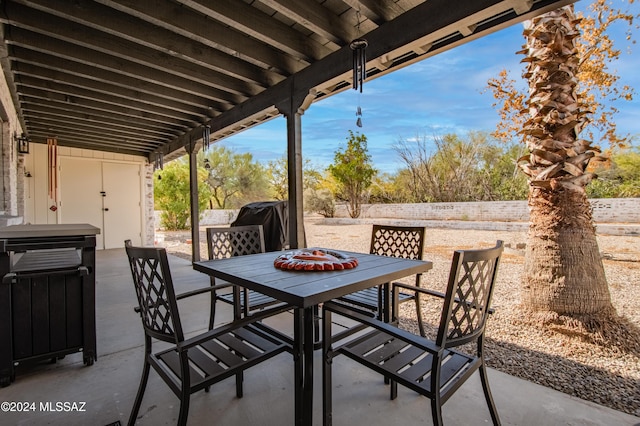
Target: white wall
{"type": "Point", "coordinates": [605, 210]}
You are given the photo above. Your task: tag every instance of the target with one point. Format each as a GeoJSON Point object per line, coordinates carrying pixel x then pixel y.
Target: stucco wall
{"type": "Point", "coordinates": [605, 210]}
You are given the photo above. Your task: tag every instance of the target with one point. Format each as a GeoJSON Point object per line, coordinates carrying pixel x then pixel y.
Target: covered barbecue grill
{"type": "Point", "coordinates": [274, 218]}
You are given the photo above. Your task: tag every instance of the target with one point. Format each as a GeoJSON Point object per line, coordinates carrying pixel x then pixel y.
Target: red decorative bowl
{"type": "Point", "coordinates": [315, 260]}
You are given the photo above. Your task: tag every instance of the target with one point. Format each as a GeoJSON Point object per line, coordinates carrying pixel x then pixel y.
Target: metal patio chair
{"type": "Point", "coordinates": [193, 364]}
{"type": "Point", "coordinates": [432, 368]}
{"type": "Point", "coordinates": [398, 241]}
{"type": "Point", "coordinates": [237, 241]}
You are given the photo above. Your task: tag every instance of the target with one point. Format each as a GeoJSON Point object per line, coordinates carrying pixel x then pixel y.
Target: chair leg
{"type": "Point", "coordinates": [185, 394]}
{"type": "Point", "coordinates": [140, 394]}
{"type": "Point", "coordinates": [184, 408]}
{"type": "Point", "coordinates": [487, 394]}
{"type": "Point", "coordinates": [327, 406]}
{"type": "Point", "coordinates": [212, 317]}
{"type": "Point", "coordinates": [436, 411]}
{"type": "Point", "coordinates": [419, 315]}
{"type": "Point", "coordinates": [239, 380]}
{"type": "Point", "coordinates": [393, 390]}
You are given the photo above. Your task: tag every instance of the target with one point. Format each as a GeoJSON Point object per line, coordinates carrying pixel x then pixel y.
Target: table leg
{"type": "Point", "coordinates": [303, 338]}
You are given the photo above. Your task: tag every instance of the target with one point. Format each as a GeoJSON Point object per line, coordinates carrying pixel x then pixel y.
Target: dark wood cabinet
{"type": "Point", "coordinates": [47, 294]}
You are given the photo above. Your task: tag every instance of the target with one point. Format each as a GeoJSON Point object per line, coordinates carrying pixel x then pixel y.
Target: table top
{"type": "Point", "coordinates": [48, 230]}
{"type": "Point", "coordinates": [308, 288]}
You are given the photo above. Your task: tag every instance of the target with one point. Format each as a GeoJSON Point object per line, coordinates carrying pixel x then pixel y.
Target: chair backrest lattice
{"type": "Point", "coordinates": [468, 295]}
{"type": "Point", "coordinates": [235, 241]}
{"type": "Point", "coordinates": [155, 293]}
{"type": "Point", "coordinates": [397, 241]}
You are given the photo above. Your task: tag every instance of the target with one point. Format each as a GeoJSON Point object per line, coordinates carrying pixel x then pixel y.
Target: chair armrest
{"type": "Point", "coordinates": [226, 328]}
{"type": "Point", "coordinates": [418, 341]}
{"type": "Point", "coordinates": [433, 293]}
{"type": "Point", "coordinates": [193, 293]}
{"type": "Point", "coordinates": [200, 291]}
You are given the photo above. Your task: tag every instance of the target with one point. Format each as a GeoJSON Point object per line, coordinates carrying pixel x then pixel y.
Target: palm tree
{"type": "Point", "coordinates": [563, 268]}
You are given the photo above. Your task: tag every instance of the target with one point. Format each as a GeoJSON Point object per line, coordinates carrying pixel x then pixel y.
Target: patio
{"type": "Point", "coordinates": [108, 387]}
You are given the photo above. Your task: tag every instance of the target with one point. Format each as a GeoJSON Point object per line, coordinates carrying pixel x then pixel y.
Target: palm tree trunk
{"type": "Point", "coordinates": [563, 268]}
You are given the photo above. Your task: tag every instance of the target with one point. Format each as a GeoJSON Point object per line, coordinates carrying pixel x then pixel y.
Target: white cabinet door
{"type": "Point", "coordinates": [105, 195]}
{"type": "Point", "coordinates": [122, 209]}
{"type": "Point", "coordinates": [80, 198]}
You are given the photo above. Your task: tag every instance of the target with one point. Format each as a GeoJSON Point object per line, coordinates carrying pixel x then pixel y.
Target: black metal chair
{"type": "Point", "coordinates": [431, 368]}
{"type": "Point", "coordinates": [237, 241]}
{"type": "Point", "coordinates": [193, 364]}
{"type": "Point", "coordinates": [398, 241]}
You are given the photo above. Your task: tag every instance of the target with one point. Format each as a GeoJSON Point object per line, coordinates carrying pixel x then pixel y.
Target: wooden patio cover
{"type": "Point", "coordinates": [146, 77]}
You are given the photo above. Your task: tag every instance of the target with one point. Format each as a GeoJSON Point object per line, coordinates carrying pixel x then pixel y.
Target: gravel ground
{"type": "Point", "coordinates": [604, 371]}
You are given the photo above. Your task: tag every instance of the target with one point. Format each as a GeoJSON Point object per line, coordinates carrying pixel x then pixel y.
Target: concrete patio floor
{"type": "Point", "coordinates": [105, 391]}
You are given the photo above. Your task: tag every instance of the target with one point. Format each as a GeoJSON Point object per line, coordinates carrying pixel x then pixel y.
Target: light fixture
{"type": "Point", "coordinates": [22, 143]}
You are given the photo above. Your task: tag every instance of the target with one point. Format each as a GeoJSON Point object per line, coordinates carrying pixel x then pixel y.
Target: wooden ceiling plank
{"type": "Point", "coordinates": [59, 127]}
{"type": "Point", "coordinates": [102, 43]}
{"type": "Point", "coordinates": [313, 16]}
{"type": "Point", "coordinates": [66, 92]}
{"type": "Point", "coordinates": [28, 95]}
{"type": "Point", "coordinates": [96, 144]}
{"type": "Point", "coordinates": [51, 119]}
{"type": "Point", "coordinates": [73, 53]}
{"type": "Point", "coordinates": [81, 75]}
{"type": "Point", "coordinates": [105, 119]}
{"type": "Point", "coordinates": [195, 26]}
{"type": "Point", "coordinates": [260, 26]}
{"type": "Point", "coordinates": [133, 29]}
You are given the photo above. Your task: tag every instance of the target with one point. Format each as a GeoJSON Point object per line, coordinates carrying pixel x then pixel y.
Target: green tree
{"type": "Point", "coordinates": [353, 172]}
{"type": "Point", "coordinates": [278, 177]}
{"type": "Point", "coordinates": [234, 179]}
{"type": "Point", "coordinates": [460, 169]}
{"type": "Point", "coordinates": [171, 193]}
{"type": "Point", "coordinates": [318, 195]}
{"type": "Point", "coordinates": [500, 178]}
{"type": "Point", "coordinates": [617, 177]}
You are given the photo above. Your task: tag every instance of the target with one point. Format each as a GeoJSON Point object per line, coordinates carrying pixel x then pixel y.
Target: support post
{"type": "Point", "coordinates": [293, 110]}
{"type": "Point", "coordinates": [193, 197]}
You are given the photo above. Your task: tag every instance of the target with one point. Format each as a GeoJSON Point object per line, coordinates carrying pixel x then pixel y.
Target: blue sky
{"type": "Point", "coordinates": [439, 95]}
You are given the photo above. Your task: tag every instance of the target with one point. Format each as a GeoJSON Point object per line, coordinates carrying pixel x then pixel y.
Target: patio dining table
{"type": "Point", "coordinates": [305, 290]}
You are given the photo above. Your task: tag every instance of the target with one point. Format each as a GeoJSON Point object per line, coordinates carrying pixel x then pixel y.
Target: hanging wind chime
{"type": "Point", "coordinates": [206, 134]}
{"type": "Point", "coordinates": [359, 63]}
{"type": "Point", "coordinates": [158, 163]}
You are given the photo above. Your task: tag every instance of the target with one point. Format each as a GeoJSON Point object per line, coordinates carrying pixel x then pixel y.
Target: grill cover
{"type": "Point", "coordinates": [274, 218]}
